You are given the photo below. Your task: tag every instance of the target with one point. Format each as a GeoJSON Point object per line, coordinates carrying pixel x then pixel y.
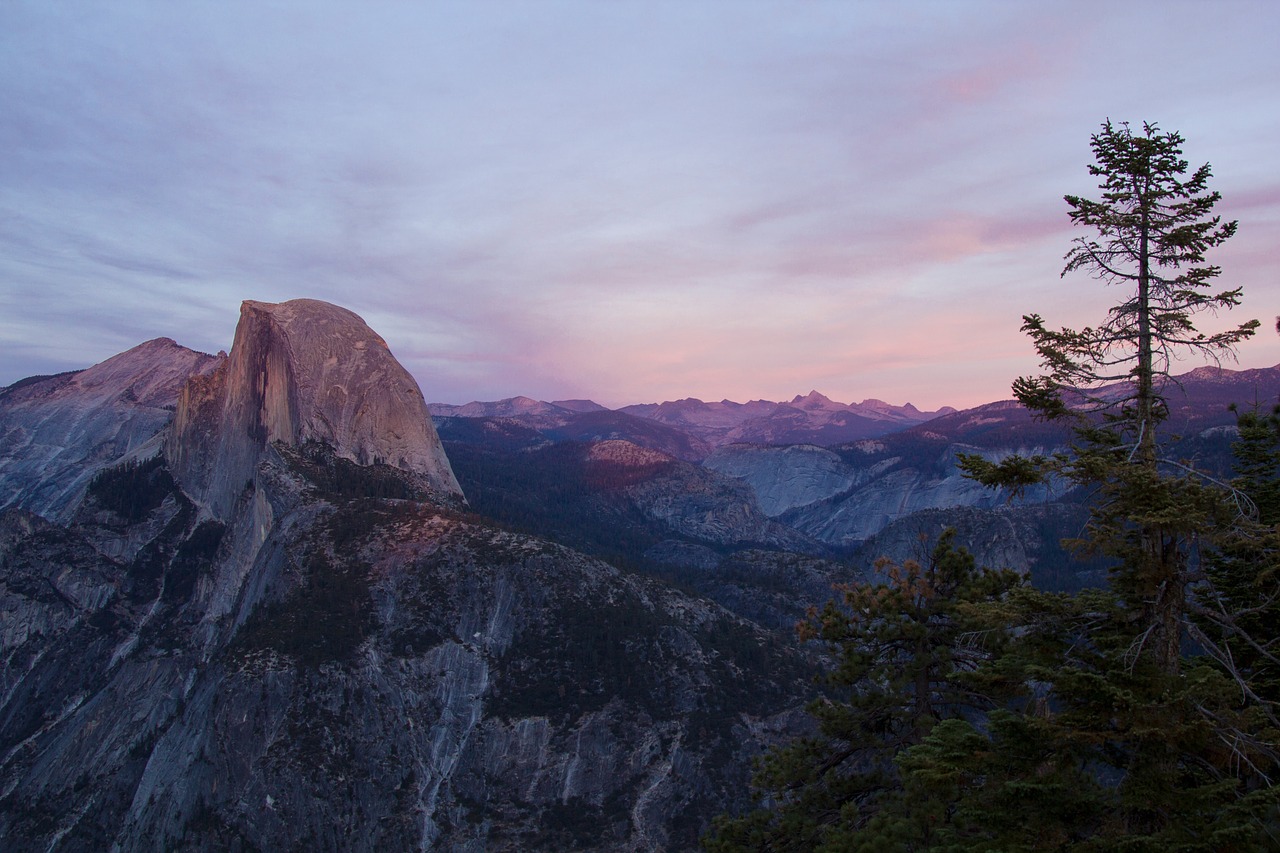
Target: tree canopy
{"type": "Point", "coordinates": [1136, 717]}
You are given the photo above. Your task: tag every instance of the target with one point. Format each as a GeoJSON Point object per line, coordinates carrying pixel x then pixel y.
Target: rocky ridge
{"type": "Point", "coordinates": [57, 432]}
{"type": "Point", "coordinates": [324, 650]}
{"type": "Point", "coordinates": [386, 674]}
{"type": "Point", "coordinates": [812, 418]}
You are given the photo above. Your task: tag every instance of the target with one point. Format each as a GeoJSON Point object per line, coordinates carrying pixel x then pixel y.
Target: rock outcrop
{"type": "Point", "coordinates": [56, 432]}
{"type": "Point", "coordinates": [784, 478]}
{"type": "Point", "coordinates": [844, 498]}
{"type": "Point", "coordinates": [300, 371]}
{"type": "Point", "coordinates": [891, 488]}
{"type": "Point", "coordinates": [617, 499]}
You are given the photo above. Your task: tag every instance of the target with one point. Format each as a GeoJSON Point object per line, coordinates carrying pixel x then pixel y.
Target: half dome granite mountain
{"type": "Point", "coordinates": [300, 371]}
{"type": "Point", "coordinates": [323, 649]}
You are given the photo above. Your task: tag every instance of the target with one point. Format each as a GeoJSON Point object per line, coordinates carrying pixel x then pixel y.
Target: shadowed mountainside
{"type": "Point", "coordinates": [336, 654]}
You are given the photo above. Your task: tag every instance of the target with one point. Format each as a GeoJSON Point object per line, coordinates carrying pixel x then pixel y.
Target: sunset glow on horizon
{"type": "Point", "coordinates": [627, 202]}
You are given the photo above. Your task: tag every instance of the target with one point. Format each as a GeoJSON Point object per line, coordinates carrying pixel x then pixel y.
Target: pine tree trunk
{"type": "Point", "coordinates": [923, 704]}
{"type": "Point", "coordinates": [1160, 551]}
{"type": "Point", "coordinates": [1165, 571]}
{"type": "Point", "coordinates": [1146, 391]}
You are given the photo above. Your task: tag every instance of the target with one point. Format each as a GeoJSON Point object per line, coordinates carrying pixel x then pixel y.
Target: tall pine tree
{"type": "Point", "coordinates": [1159, 724]}
{"type": "Point", "coordinates": [1137, 717]}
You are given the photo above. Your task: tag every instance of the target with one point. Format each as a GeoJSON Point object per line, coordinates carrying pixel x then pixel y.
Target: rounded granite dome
{"type": "Point", "coordinates": [298, 371]}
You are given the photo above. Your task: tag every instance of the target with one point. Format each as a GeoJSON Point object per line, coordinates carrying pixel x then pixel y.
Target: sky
{"type": "Point", "coordinates": [623, 201]}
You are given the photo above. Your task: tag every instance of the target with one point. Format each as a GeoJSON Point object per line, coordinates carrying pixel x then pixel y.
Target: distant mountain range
{"type": "Point", "coordinates": [809, 419]}
{"type": "Point", "coordinates": [692, 430]}
{"type": "Point", "coordinates": [811, 464]}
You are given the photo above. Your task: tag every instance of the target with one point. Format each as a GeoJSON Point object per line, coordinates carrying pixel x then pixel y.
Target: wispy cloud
{"type": "Point", "coordinates": [625, 201]}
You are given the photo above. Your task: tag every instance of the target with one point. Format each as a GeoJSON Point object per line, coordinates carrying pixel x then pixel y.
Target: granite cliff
{"type": "Point", "coordinates": [300, 371]}
{"type": "Point", "coordinates": [287, 631]}
{"type": "Point", "coordinates": [383, 673]}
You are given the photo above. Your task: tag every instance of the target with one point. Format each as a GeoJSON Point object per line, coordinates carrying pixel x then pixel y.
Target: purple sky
{"type": "Point", "coordinates": [631, 202]}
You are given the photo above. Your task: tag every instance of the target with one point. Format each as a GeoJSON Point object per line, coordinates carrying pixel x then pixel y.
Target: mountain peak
{"type": "Point", "coordinates": [581, 406]}
{"type": "Point", "coordinates": [298, 371]}
{"type": "Point", "coordinates": [814, 401]}
{"type": "Point", "coordinates": [61, 430]}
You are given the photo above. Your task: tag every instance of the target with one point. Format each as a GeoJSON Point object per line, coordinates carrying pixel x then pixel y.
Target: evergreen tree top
{"type": "Point", "coordinates": [1153, 227]}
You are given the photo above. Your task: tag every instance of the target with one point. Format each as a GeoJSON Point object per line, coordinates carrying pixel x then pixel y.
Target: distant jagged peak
{"type": "Point", "coordinates": [691, 412]}
{"type": "Point", "coordinates": [518, 405]}
{"type": "Point", "coordinates": [511, 407]}
{"type": "Point", "coordinates": [814, 401]}
{"type": "Point", "coordinates": [812, 418]}
{"type": "Point", "coordinates": [872, 404]}
{"type": "Point", "coordinates": [668, 410]}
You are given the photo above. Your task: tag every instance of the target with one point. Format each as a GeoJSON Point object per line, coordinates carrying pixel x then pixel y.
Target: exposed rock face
{"type": "Point", "coordinates": [38, 556]}
{"type": "Point", "coordinates": [57, 432]}
{"type": "Point", "coordinates": [842, 499]}
{"type": "Point", "coordinates": [784, 478]}
{"type": "Point", "coordinates": [383, 674]}
{"type": "Point", "coordinates": [846, 494]}
{"type": "Point", "coordinates": [300, 371]}
{"type": "Point", "coordinates": [898, 491]}
{"type": "Point", "coordinates": [702, 504]}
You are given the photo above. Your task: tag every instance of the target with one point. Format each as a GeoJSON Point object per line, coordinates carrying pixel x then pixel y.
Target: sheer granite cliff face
{"type": "Point", "coordinates": [284, 633]}
{"type": "Point", "coordinates": [342, 671]}
{"type": "Point", "coordinates": [56, 432]}
{"type": "Point", "coordinates": [300, 371]}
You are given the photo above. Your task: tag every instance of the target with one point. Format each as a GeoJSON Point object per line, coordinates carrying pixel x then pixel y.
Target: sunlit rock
{"type": "Point", "coordinates": [301, 371]}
